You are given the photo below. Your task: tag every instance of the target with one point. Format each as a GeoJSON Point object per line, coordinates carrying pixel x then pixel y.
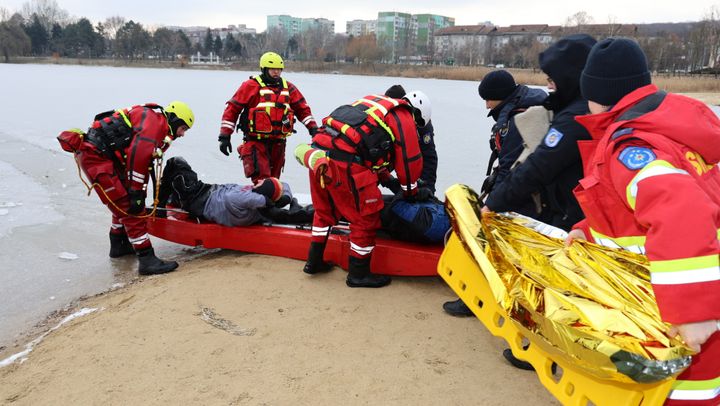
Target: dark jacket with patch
{"type": "Point", "coordinates": [426, 137]}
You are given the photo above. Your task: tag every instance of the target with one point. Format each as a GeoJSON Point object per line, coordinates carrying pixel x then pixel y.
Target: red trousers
{"type": "Point", "coordinates": [699, 385]}
{"type": "Point", "coordinates": [109, 187]}
{"type": "Point", "coordinates": [350, 192]}
{"type": "Point", "coordinates": [262, 158]}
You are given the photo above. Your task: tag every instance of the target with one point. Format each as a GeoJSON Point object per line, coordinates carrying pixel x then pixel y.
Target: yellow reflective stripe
{"type": "Point", "coordinates": [284, 82]}
{"type": "Point", "coordinates": [343, 128]}
{"type": "Point", "coordinates": [382, 124]}
{"type": "Point", "coordinates": [634, 244]}
{"type": "Point", "coordinates": [654, 168]}
{"type": "Point", "coordinates": [375, 106]}
{"type": "Point", "coordinates": [259, 80]}
{"type": "Point", "coordinates": [695, 390]}
{"type": "Point", "coordinates": [125, 118]}
{"type": "Point", "coordinates": [270, 104]}
{"type": "Point", "coordinates": [329, 120]}
{"type": "Point", "coordinates": [685, 264]}
{"type": "Point", "coordinates": [266, 91]}
{"type": "Point", "coordinates": [686, 270]}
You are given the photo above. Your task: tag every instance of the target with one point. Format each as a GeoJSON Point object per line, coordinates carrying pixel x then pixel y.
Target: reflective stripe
{"type": "Point", "coordinates": [266, 91]}
{"type": "Point", "coordinates": [361, 250]}
{"type": "Point", "coordinates": [230, 126]}
{"type": "Point", "coordinates": [411, 187]}
{"type": "Point", "coordinates": [116, 226]}
{"type": "Point", "coordinates": [375, 105]}
{"type": "Point", "coordinates": [228, 122]}
{"type": "Point", "coordinates": [271, 104]}
{"type": "Point", "coordinates": [139, 240]}
{"type": "Point", "coordinates": [308, 119]}
{"type": "Point", "coordinates": [655, 168]}
{"type": "Point", "coordinates": [320, 231]}
{"type": "Point", "coordinates": [285, 93]}
{"type": "Point", "coordinates": [110, 189]}
{"type": "Point", "coordinates": [682, 277]}
{"type": "Point", "coordinates": [695, 390]}
{"type": "Point", "coordinates": [137, 175]}
{"type": "Point", "coordinates": [634, 244]}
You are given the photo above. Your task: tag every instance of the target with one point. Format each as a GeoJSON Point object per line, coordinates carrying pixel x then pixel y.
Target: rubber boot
{"type": "Point", "coordinates": [457, 308]}
{"type": "Point", "coordinates": [149, 264]}
{"type": "Point", "coordinates": [120, 245]}
{"type": "Point", "coordinates": [359, 275]}
{"type": "Point", "coordinates": [315, 263]}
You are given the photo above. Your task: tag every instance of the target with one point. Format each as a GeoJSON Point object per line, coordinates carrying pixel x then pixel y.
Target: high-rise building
{"type": "Point", "coordinates": [426, 26]}
{"type": "Point", "coordinates": [295, 25]}
{"type": "Point", "coordinates": [395, 33]}
{"type": "Point", "coordinates": [290, 25]}
{"type": "Point", "coordinates": [357, 28]}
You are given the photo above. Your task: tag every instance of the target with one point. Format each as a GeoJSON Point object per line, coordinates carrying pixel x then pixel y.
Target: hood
{"type": "Point", "coordinates": [563, 62]}
{"type": "Point", "coordinates": [679, 118]}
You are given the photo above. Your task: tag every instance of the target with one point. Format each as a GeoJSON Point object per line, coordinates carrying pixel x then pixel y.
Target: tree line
{"type": "Point", "coordinates": [42, 28]}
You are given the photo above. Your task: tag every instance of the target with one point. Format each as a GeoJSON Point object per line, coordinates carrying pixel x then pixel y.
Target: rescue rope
{"type": "Point", "coordinates": [156, 201]}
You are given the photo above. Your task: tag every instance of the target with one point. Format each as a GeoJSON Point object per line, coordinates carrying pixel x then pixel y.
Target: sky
{"type": "Point", "coordinates": [220, 13]}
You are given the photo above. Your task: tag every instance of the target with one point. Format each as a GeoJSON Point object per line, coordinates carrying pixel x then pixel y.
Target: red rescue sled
{"type": "Point", "coordinates": [390, 257]}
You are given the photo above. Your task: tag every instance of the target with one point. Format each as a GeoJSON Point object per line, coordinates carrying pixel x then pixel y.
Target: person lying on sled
{"type": "Point", "coordinates": [229, 204]}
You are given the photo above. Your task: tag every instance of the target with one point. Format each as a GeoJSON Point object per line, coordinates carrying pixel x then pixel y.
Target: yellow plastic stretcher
{"type": "Point", "coordinates": [462, 273]}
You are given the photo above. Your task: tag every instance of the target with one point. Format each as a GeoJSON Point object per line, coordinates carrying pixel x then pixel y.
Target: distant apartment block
{"type": "Point", "coordinates": [296, 25]}
{"type": "Point", "coordinates": [406, 35]}
{"type": "Point", "coordinates": [358, 28]}
{"type": "Point", "coordinates": [427, 24]}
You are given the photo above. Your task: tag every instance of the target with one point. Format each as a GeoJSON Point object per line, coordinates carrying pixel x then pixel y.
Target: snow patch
{"type": "Point", "coordinates": [22, 356]}
{"type": "Point", "coordinates": [68, 255]}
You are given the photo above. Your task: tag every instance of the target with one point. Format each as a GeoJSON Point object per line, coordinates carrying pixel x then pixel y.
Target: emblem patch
{"type": "Point", "coordinates": [635, 158]}
{"type": "Point", "coordinates": [552, 138]}
{"type": "Point", "coordinates": [426, 138]}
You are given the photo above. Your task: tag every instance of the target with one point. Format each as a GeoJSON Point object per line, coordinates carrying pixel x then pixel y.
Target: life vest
{"type": "Point", "coordinates": [596, 196]}
{"type": "Point", "coordinates": [112, 130]}
{"type": "Point", "coordinates": [272, 117]}
{"type": "Point", "coordinates": [359, 133]}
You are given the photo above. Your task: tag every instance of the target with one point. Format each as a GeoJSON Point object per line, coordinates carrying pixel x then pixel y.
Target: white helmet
{"type": "Point", "coordinates": [421, 102]}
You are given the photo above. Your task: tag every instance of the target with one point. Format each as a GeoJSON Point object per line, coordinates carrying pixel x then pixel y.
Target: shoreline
{"type": "Point", "coordinates": [234, 328]}
{"type": "Point", "coordinates": [705, 88]}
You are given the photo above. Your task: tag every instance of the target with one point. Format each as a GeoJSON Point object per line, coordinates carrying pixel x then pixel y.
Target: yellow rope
{"type": "Point", "coordinates": [158, 176]}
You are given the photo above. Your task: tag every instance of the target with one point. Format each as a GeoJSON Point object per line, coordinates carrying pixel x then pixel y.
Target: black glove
{"type": "Point", "coordinates": [283, 201]}
{"type": "Point", "coordinates": [313, 131]}
{"type": "Point", "coordinates": [392, 183]}
{"type": "Point", "coordinates": [225, 146]}
{"type": "Point", "coordinates": [137, 201]}
{"type": "Point", "coordinates": [424, 194]}
{"type": "Point", "coordinates": [488, 183]}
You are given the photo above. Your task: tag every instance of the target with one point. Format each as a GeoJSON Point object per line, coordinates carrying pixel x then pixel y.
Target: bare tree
{"type": "Point", "coordinates": [578, 22]}
{"type": "Point", "coordinates": [13, 40]}
{"type": "Point", "coordinates": [48, 11]}
{"type": "Point", "coordinates": [4, 14]}
{"type": "Point", "coordinates": [275, 39]}
{"type": "Point", "coordinates": [112, 25]}
{"type": "Point", "coordinates": [364, 49]}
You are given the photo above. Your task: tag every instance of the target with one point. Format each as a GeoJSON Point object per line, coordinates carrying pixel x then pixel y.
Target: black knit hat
{"type": "Point", "coordinates": [270, 188]}
{"type": "Point", "coordinates": [615, 67]}
{"type": "Point", "coordinates": [396, 92]}
{"type": "Point", "coordinates": [497, 85]}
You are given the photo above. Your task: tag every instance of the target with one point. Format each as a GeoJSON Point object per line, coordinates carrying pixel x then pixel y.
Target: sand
{"type": "Point", "coordinates": [242, 329]}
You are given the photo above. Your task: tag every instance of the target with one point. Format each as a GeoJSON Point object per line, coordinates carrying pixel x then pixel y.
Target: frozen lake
{"type": "Point", "coordinates": [53, 237]}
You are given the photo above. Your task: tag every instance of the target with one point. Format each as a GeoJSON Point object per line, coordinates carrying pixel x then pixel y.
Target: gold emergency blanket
{"type": "Point", "coordinates": [590, 304]}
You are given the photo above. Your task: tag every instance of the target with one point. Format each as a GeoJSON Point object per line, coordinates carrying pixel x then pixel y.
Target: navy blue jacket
{"type": "Point", "coordinates": [553, 169]}
{"type": "Point", "coordinates": [426, 137]}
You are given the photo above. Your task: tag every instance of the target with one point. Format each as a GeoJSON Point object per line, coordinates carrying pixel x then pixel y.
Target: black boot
{"type": "Point", "coordinates": [149, 264]}
{"type": "Point", "coordinates": [359, 275]}
{"type": "Point", "coordinates": [457, 308]}
{"type": "Point", "coordinates": [120, 245]}
{"type": "Point", "coordinates": [520, 364]}
{"type": "Point", "coordinates": [315, 263]}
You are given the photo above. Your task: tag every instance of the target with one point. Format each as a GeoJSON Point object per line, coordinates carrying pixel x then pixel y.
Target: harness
{"type": "Point", "coordinates": [361, 126]}
{"type": "Point", "coordinates": [272, 118]}
{"type": "Point", "coordinates": [112, 130]}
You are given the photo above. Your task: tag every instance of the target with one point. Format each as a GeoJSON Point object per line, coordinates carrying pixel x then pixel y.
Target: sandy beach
{"type": "Point", "coordinates": [240, 329]}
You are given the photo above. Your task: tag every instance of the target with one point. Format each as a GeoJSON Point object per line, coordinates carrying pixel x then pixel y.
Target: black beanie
{"type": "Point", "coordinates": [615, 67]}
{"type": "Point", "coordinates": [270, 188]}
{"type": "Point", "coordinates": [396, 92]}
{"type": "Point", "coordinates": [497, 85]}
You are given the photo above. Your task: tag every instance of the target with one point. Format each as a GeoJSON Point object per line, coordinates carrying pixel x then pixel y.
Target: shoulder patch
{"type": "Point", "coordinates": [552, 138]}
{"type": "Point", "coordinates": [427, 138]}
{"type": "Point", "coordinates": [635, 158]}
